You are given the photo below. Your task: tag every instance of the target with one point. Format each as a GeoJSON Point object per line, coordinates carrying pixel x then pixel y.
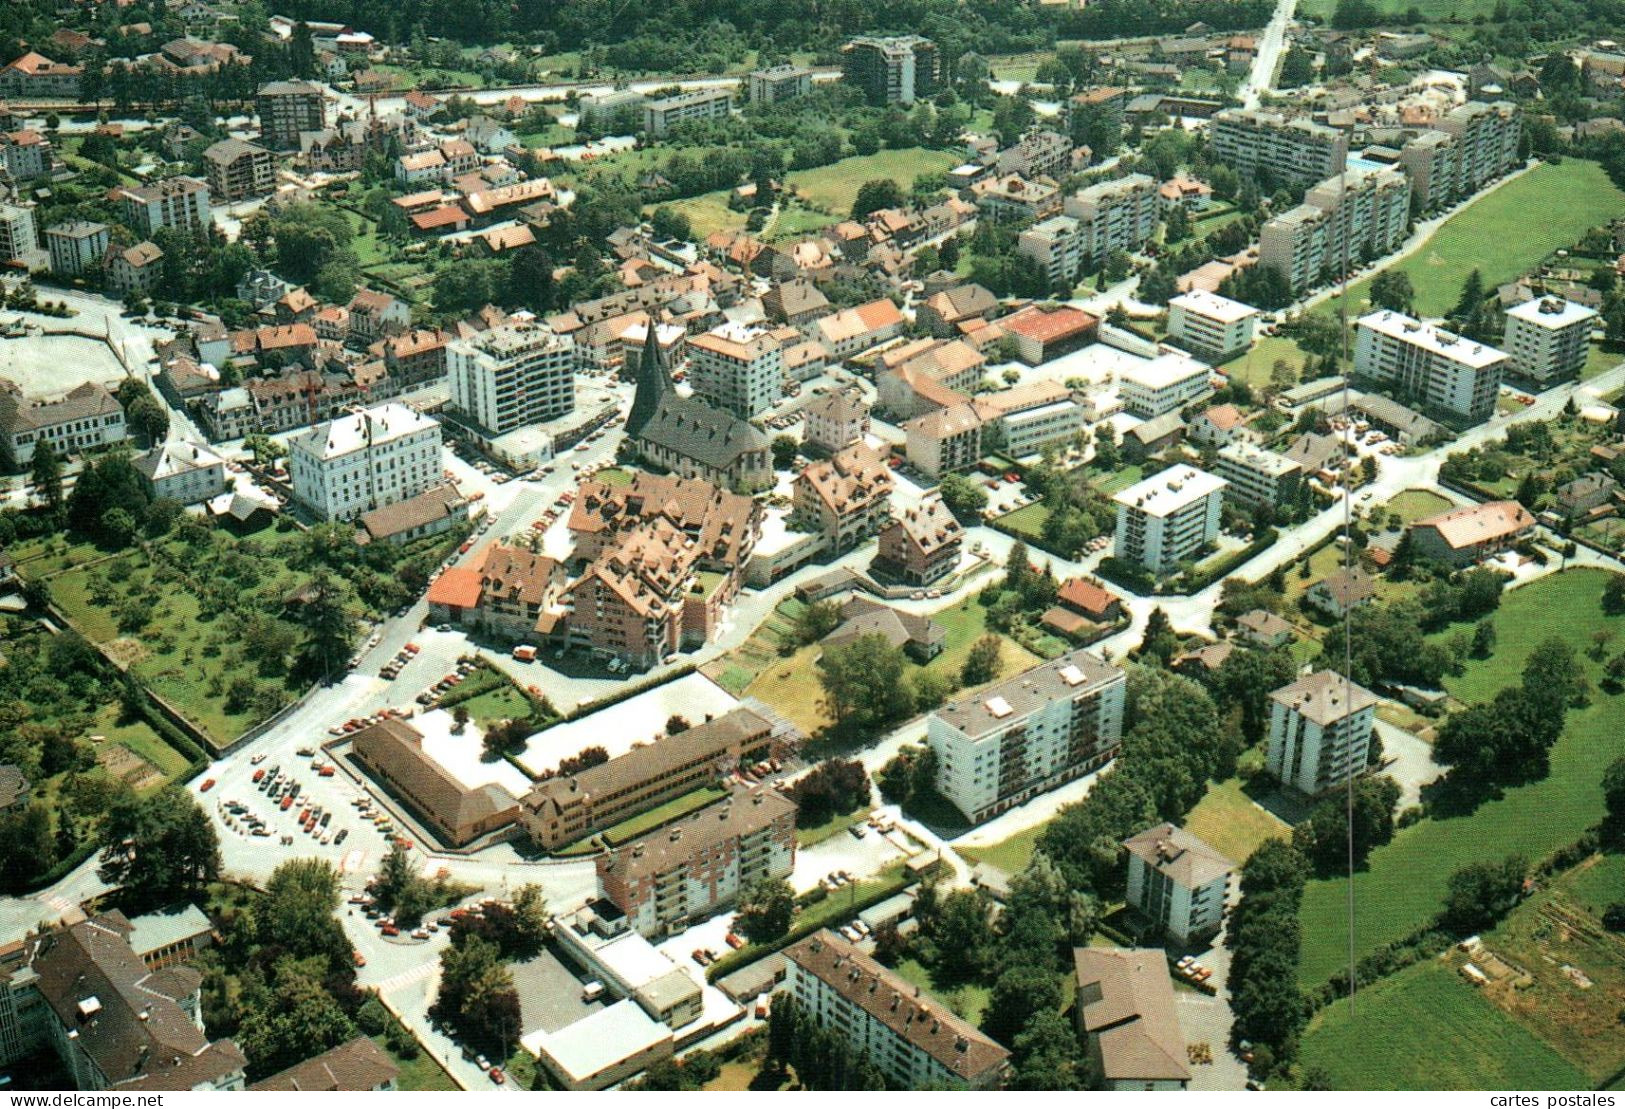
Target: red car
{"type": "Point", "coordinates": [259, 775]}
{"type": "Point", "coordinates": [208, 784]}
{"type": "Point", "coordinates": [325, 772]}
{"type": "Point", "coordinates": [390, 930]}
{"type": "Point", "coordinates": [497, 1076]}
{"type": "Point", "coordinates": [287, 803]}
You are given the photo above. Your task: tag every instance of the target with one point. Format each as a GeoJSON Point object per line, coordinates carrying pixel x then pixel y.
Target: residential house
{"type": "Point", "coordinates": [1337, 594]}
{"type": "Point", "coordinates": [1127, 1017]}
{"type": "Point", "coordinates": [922, 544]}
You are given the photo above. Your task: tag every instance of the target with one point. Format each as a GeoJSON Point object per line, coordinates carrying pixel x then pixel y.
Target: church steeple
{"type": "Point", "coordinates": [653, 381]}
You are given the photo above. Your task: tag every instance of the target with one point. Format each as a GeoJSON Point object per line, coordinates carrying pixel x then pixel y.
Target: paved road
{"type": "Point", "coordinates": [1267, 62]}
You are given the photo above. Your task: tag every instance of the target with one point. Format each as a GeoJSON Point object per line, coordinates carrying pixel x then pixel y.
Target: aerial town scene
{"type": "Point", "coordinates": [1036, 545]}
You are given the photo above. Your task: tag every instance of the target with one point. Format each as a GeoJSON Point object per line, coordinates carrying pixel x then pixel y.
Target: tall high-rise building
{"type": "Point", "coordinates": [1288, 150]}
{"type": "Point", "coordinates": [1168, 518]}
{"type": "Point", "coordinates": [512, 376]}
{"type": "Point", "coordinates": [1487, 138]}
{"type": "Point", "coordinates": [1345, 220]}
{"type": "Point", "coordinates": [1320, 731]}
{"type": "Point", "coordinates": [285, 109]}
{"type": "Point", "coordinates": [1548, 338]}
{"type": "Point", "coordinates": [891, 70]}
{"type": "Point", "coordinates": [1428, 365]}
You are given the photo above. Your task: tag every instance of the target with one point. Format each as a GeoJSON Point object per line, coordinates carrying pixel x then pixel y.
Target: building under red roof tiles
{"type": "Point", "coordinates": [1046, 333]}
{"type": "Point", "coordinates": [457, 588]}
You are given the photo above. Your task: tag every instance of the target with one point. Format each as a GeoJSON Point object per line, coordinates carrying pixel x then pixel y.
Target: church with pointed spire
{"type": "Point", "coordinates": [688, 437]}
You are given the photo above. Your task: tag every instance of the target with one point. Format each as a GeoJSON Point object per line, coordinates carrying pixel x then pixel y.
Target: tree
{"type": "Point", "coordinates": [46, 473]}
{"type": "Point", "coordinates": [961, 932]}
{"type": "Point", "coordinates": [1160, 642]}
{"type": "Point", "coordinates": [296, 913]}
{"type": "Point", "coordinates": [765, 910]}
{"type": "Point", "coordinates": [833, 787]}
{"type": "Point", "coordinates": [982, 663]}
{"type": "Point", "coordinates": [784, 451]}
{"type": "Point", "coordinates": [328, 627]}
{"type": "Point", "coordinates": [966, 499]}
{"type": "Point", "coordinates": [1478, 895]}
{"type": "Point", "coordinates": [1049, 1057]}
{"type": "Point", "coordinates": [477, 995]}
{"type": "Point", "coordinates": [1324, 838]}
{"type": "Point", "coordinates": [1613, 795]}
{"type": "Point", "coordinates": [301, 1019]}
{"type": "Point", "coordinates": [875, 194]}
{"type": "Point", "coordinates": [1392, 289]}
{"type": "Point", "coordinates": [863, 684]}
{"type": "Point", "coordinates": [816, 621]}
{"type": "Point", "coordinates": [1613, 595]}
{"type": "Point", "coordinates": [1019, 994]}
{"type": "Point", "coordinates": [669, 223]}
{"type": "Point", "coordinates": [676, 725]}
{"type": "Point", "coordinates": [1246, 679]}
{"type": "Point", "coordinates": [1554, 677]}
{"type": "Point", "coordinates": [911, 773]}
{"type": "Point", "coordinates": [160, 848]}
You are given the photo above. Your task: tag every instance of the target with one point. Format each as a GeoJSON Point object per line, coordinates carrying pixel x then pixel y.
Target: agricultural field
{"type": "Point", "coordinates": [1495, 236]}
{"type": "Point", "coordinates": [1426, 1028]}
{"type": "Point", "coordinates": [1404, 882]}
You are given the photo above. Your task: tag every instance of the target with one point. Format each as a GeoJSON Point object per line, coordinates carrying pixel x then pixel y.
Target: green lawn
{"type": "Point", "coordinates": [1433, 11]}
{"type": "Point", "coordinates": [1599, 361]}
{"type": "Point", "coordinates": [967, 1001]}
{"type": "Point", "coordinates": [1028, 521]}
{"type": "Point", "coordinates": [707, 213]}
{"type": "Point", "coordinates": [1254, 367]}
{"type": "Point", "coordinates": [834, 187]}
{"type": "Point", "coordinates": [1417, 504]}
{"type": "Point", "coordinates": [615, 475]}
{"type": "Point", "coordinates": [632, 827]}
{"type": "Point", "coordinates": [1427, 1029]}
{"type": "Point", "coordinates": [1496, 236]}
{"type": "Point", "coordinates": [505, 702]}
{"type": "Point", "coordinates": [834, 826]}
{"type": "Point", "coordinates": [1404, 882]}
{"type": "Point", "coordinates": [1011, 855]}
{"type": "Point", "coordinates": [422, 1073]}
{"type": "Point", "coordinates": [1119, 480]}
{"type": "Point", "coordinates": [1228, 821]}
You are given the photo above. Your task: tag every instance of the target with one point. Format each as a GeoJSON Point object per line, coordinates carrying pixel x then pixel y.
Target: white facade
{"type": "Point", "coordinates": [178, 203]}
{"type": "Point", "coordinates": [1257, 476]}
{"type": "Point", "coordinates": [1214, 327]}
{"type": "Point", "coordinates": [18, 235]}
{"type": "Point", "coordinates": [1025, 736]}
{"type": "Point", "coordinates": [1320, 731]}
{"type": "Point", "coordinates": [1178, 881]}
{"type": "Point", "coordinates": [1429, 364]}
{"type": "Point", "coordinates": [367, 459]}
{"type": "Point", "coordinates": [1165, 384]}
{"type": "Point", "coordinates": [1344, 220]}
{"type": "Point", "coordinates": [77, 247]}
{"type": "Point", "coordinates": [738, 368]}
{"type": "Point", "coordinates": [1168, 518]}
{"type": "Point", "coordinates": [1025, 433]}
{"type": "Point", "coordinates": [1547, 338]}
{"type": "Point", "coordinates": [513, 376]}
{"type": "Point", "coordinates": [1115, 215]}
{"type": "Point", "coordinates": [660, 116]}
{"type": "Point", "coordinates": [183, 472]}
{"type": "Point", "coordinates": [1286, 149]}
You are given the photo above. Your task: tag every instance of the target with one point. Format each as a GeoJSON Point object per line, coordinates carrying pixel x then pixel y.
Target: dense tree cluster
{"type": "Point", "coordinates": [1324, 838]}
{"type": "Point", "coordinates": [1507, 740]}
{"type": "Point", "coordinates": [1265, 939]}
{"type": "Point", "coordinates": [766, 909]}
{"type": "Point", "coordinates": [160, 848]}
{"type": "Point", "coordinates": [821, 1056]}
{"type": "Point", "coordinates": [477, 996]}
{"type": "Point", "coordinates": [833, 787]}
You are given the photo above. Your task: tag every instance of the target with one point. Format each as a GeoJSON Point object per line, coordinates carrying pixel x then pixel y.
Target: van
{"type": "Point", "coordinates": [525, 653]}
{"type": "Point", "coordinates": [592, 991]}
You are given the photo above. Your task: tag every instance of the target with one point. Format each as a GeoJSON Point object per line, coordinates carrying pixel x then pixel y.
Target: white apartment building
{"type": "Point", "coordinates": [780, 82]}
{"type": "Point", "coordinates": [1025, 432]}
{"type": "Point", "coordinates": [1211, 326]}
{"type": "Point", "coordinates": [1168, 518]}
{"type": "Point", "coordinates": [19, 237]}
{"type": "Point", "coordinates": [1165, 384]}
{"type": "Point", "coordinates": [1178, 881]}
{"type": "Point", "coordinates": [1546, 339]}
{"type": "Point", "coordinates": [1028, 734]}
{"type": "Point", "coordinates": [1428, 364]}
{"type": "Point", "coordinates": [1320, 731]}
{"type": "Point", "coordinates": [660, 116]}
{"type": "Point", "coordinates": [1287, 149]}
{"type": "Point", "coordinates": [1257, 476]}
{"type": "Point", "coordinates": [1487, 138]}
{"type": "Point", "coordinates": [911, 1037]}
{"type": "Point", "coordinates": [77, 248]}
{"type": "Point", "coordinates": [737, 367]}
{"type": "Point", "coordinates": [367, 459]}
{"type": "Point", "coordinates": [1115, 215]}
{"type": "Point", "coordinates": [178, 203]}
{"type": "Point", "coordinates": [1433, 161]}
{"type": "Point", "coordinates": [1355, 216]}
{"type": "Point", "coordinates": [1056, 244]}
{"type": "Point", "coordinates": [512, 376]}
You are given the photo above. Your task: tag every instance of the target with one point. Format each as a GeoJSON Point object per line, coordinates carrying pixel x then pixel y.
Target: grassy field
{"type": "Point", "coordinates": [1028, 521]}
{"type": "Point", "coordinates": [1495, 236]}
{"type": "Point", "coordinates": [834, 187]}
{"type": "Point", "coordinates": [422, 1073]}
{"type": "Point", "coordinates": [1230, 823]}
{"type": "Point", "coordinates": [1427, 1029]}
{"type": "Point", "coordinates": [1254, 367]}
{"type": "Point", "coordinates": [505, 702]}
{"type": "Point", "coordinates": [1011, 855]}
{"type": "Point", "coordinates": [834, 826]}
{"type": "Point", "coordinates": [1417, 504]}
{"type": "Point", "coordinates": [968, 1001]}
{"type": "Point", "coordinates": [1433, 11]}
{"type": "Point", "coordinates": [790, 685]}
{"type": "Point", "coordinates": [1404, 882]}
{"type": "Point", "coordinates": [708, 213]}
{"type": "Point", "coordinates": [1599, 361]}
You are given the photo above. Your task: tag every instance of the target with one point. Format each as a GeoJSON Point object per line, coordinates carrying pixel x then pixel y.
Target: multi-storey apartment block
{"type": "Point", "coordinates": [238, 169]}
{"type": "Point", "coordinates": [1167, 383]}
{"type": "Point", "coordinates": [1487, 138]}
{"type": "Point", "coordinates": [19, 235]}
{"type": "Point", "coordinates": [845, 498]}
{"type": "Point", "coordinates": [1027, 735]}
{"type": "Point", "coordinates": [77, 248]}
{"type": "Point", "coordinates": [660, 116]}
{"type": "Point", "coordinates": [1115, 215]}
{"type": "Point", "coordinates": [1258, 476]}
{"type": "Point", "coordinates": [891, 70]}
{"type": "Point", "coordinates": [1320, 731]}
{"type": "Point", "coordinates": [737, 367]}
{"type": "Point", "coordinates": [1433, 161]}
{"type": "Point", "coordinates": [1211, 326]}
{"type": "Point", "coordinates": [1178, 881]}
{"type": "Point", "coordinates": [1039, 153]}
{"type": "Point", "coordinates": [1168, 518]}
{"type": "Point", "coordinates": [178, 203]}
{"type": "Point", "coordinates": [684, 872]}
{"type": "Point", "coordinates": [911, 1037]}
{"type": "Point", "coordinates": [1547, 339]}
{"type": "Point", "coordinates": [1429, 365]}
{"type": "Point", "coordinates": [1288, 150]}
{"type": "Point", "coordinates": [512, 376]}
{"type": "Point", "coordinates": [1353, 217]}
{"type": "Point", "coordinates": [285, 109]}
{"type": "Point", "coordinates": [780, 82]}
{"type": "Point", "coordinates": [922, 544]}
{"type": "Point", "coordinates": [368, 459]}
